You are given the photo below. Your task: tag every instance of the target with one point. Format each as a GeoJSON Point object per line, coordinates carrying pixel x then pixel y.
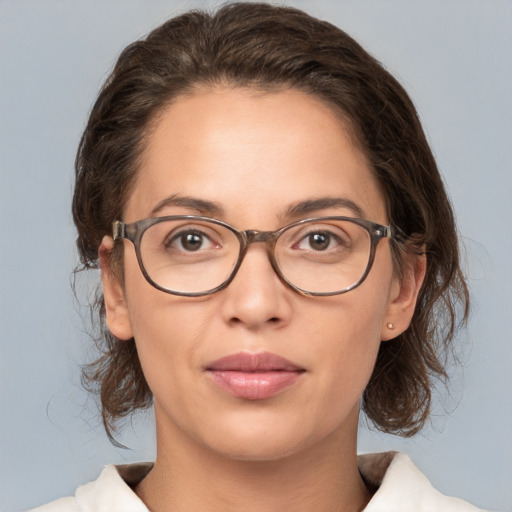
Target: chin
{"type": "Point", "coordinates": [258, 449]}
{"type": "Point", "coordinates": [260, 441]}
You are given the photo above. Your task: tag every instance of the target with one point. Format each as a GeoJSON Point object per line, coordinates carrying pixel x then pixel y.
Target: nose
{"type": "Point", "coordinates": [256, 298]}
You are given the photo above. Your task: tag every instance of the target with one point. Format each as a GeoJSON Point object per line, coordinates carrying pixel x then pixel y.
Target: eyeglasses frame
{"type": "Point", "coordinates": [135, 230]}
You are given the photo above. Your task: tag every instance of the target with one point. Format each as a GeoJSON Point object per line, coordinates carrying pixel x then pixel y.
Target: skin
{"type": "Point", "coordinates": [255, 154]}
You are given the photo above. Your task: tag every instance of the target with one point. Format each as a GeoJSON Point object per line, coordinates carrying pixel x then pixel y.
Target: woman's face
{"type": "Point", "coordinates": [250, 157]}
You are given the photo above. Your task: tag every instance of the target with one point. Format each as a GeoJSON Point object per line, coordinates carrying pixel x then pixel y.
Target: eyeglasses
{"type": "Point", "coordinates": [193, 256]}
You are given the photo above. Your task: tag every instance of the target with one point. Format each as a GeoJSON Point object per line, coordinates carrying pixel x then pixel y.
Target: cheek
{"type": "Point", "coordinates": [165, 335]}
{"type": "Point", "coordinates": [347, 352]}
{"type": "Point", "coordinates": [170, 333]}
{"type": "Point", "coordinates": [167, 349]}
{"type": "Point", "coordinates": [156, 329]}
{"type": "Point", "coordinates": [156, 317]}
{"type": "Point", "coordinates": [346, 337]}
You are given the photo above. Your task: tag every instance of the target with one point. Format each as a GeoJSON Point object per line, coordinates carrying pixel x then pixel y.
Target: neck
{"type": "Point", "coordinates": [189, 476]}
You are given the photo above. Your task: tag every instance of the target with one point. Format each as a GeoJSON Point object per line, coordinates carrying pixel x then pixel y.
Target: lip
{"type": "Point", "coordinates": [254, 376]}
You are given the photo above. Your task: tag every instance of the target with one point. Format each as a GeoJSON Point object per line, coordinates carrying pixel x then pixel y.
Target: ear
{"type": "Point", "coordinates": [403, 297]}
{"type": "Point", "coordinates": [116, 309]}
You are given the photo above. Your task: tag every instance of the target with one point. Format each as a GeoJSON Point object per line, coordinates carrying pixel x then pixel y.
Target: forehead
{"type": "Point", "coordinates": [247, 149]}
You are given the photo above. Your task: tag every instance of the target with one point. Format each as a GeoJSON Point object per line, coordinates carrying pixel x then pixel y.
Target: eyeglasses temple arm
{"type": "Point", "coordinates": [118, 229]}
{"type": "Point", "coordinates": [395, 233]}
{"type": "Point", "coordinates": [409, 240]}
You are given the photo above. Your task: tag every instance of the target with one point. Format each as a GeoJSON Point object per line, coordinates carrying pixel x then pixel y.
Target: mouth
{"type": "Point", "coordinates": [254, 376]}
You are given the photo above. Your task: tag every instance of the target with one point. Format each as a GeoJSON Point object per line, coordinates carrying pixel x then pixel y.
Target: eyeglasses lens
{"type": "Point", "coordinates": [194, 257]}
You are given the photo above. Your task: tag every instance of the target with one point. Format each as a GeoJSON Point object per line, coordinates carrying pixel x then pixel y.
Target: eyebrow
{"type": "Point", "coordinates": [298, 209]}
{"type": "Point", "coordinates": [200, 206]}
{"type": "Point", "coordinates": [307, 207]}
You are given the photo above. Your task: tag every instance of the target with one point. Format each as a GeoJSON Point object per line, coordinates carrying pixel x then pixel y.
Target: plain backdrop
{"type": "Point", "coordinates": [454, 58]}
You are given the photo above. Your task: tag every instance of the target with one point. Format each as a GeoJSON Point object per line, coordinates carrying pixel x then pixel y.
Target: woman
{"type": "Point", "coordinates": [277, 250]}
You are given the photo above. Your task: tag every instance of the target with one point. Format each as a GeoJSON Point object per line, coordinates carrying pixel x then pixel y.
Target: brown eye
{"type": "Point", "coordinates": [189, 241]}
{"type": "Point", "coordinates": [319, 241]}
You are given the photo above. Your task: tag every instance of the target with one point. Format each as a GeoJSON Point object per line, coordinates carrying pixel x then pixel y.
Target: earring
{"type": "Point", "coordinates": [390, 326]}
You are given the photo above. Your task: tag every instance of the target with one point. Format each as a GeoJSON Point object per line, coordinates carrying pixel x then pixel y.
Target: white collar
{"type": "Point", "coordinates": [401, 488]}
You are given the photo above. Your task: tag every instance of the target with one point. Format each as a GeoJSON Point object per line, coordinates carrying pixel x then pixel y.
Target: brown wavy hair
{"type": "Point", "coordinates": [275, 48]}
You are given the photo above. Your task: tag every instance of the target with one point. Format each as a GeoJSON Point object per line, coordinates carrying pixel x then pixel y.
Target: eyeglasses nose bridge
{"type": "Point", "coordinates": [250, 236]}
{"type": "Point", "coordinates": [253, 236]}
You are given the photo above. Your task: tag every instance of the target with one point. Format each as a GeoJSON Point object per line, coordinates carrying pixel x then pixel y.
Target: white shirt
{"type": "Point", "coordinates": [401, 488]}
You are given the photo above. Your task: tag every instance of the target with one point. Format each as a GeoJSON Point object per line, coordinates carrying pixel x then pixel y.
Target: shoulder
{"type": "Point", "coordinates": [402, 487]}
{"type": "Point", "coordinates": [68, 504]}
{"type": "Point", "coordinates": [111, 491]}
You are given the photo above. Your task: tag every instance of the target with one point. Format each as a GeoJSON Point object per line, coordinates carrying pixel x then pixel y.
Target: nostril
{"type": "Point", "coordinates": [235, 320]}
{"type": "Point", "coordinates": [238, 321]}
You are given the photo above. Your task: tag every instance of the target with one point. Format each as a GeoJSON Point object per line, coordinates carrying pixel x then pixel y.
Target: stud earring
{"type": "Point", "coordinates": [390, 326]}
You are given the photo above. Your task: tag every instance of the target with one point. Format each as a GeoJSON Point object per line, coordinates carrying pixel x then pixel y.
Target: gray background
{"type": "Point", "coordinates": [454, 57]}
